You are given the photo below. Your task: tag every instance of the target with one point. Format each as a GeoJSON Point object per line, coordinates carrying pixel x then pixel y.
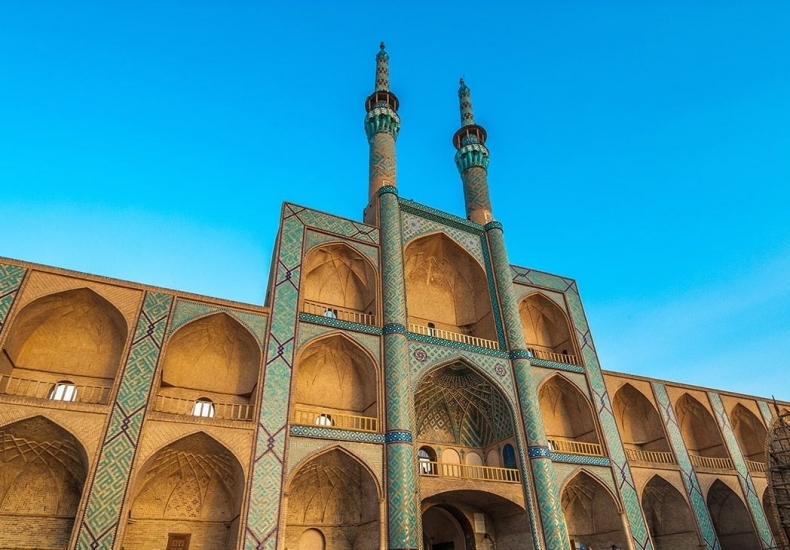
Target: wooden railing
{"type": "Point", "coordinates": [575, 447]}
{"type": "Point", "coordinates": [711, 462]}
{"type": "Point", "coordinates": [186, 407]}
{"type": "Point", "coordinates": [453, 336]}
{"type": "Point", "coordinates": [655, 457]}
{"type": "Point", "coordinates": [341, 421]}
{"type": "Point", "coordinates": [468, 471]}
{"type": "Point", "coordinates": [337, 312]}
{"type": "Point", "coordinates": [756, 466]}
{"type": "Point", "coordinates": [38, 389]}
{"type": "Point", "coordinates": [567, 358]}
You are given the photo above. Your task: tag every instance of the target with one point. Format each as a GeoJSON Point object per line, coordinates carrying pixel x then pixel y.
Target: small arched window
{"type": "Point", "coordinates": [65, 390]}
{"type": "Point", "coordinates": [324, 420]}
{"type": "Point", "coordinates": [509, 456]}
{"type": "Point", "coordinates": [426, 456]}
{"type": "Point", "coordinates": [204, 407]}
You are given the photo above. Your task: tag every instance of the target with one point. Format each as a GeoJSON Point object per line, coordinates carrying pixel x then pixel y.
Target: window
{"type": "Point", "coordinates": [63, 391]}
{"type": "Point", "coordinates": [324, 420]}
{"type": "Point", "coordinates": [178, 542]}
{"type": "Point", "coordinates": [426, 456]}
{"type": "Point", "coordinates": [509, 456]}
{"type": "Point", "coordinates": [330, 313]}
{"type": "Point", "coordinates": [431, 329]}
{"type": "Point", "coordinates": [203, 407]}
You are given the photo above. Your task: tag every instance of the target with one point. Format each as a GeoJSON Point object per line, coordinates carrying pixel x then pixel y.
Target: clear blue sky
{"type": "Point", "coordinates": [641, 148]}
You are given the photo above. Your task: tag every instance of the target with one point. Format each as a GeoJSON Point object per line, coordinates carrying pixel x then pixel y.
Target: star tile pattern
{"type": "Point", "coordinates": [11, 277]}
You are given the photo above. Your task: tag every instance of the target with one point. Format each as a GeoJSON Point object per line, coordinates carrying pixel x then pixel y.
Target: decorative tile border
{"type": "Point", "coordinates": [765, 410]}
{"type": "Point", "coordinates": [457, 345]}
{"type": "Point", "coordinates": [337, 323]}
{"type": "Point", "coordinates": [333, 224]}
{"type": "Point", "coordinates": [370, 342]}
{"type": "Point", "coordinates": [415, 226]}
{"type": "Point", "coordinates": [411, 207]}
{"type": "Point", "coordinates": [314, 238]}
{"type": "Point", "coordinates": [555, 365]}
{"type": "Point", "coordinates": [187, 311]}
{"type": "Point", "coordinates": [580, 459]}
{"type": "Point", "coordinates": [99, 524]}
{"type": "Point", "coordinates": [11, 277]}
{"type": "Point", "coordinates": [334, 434]}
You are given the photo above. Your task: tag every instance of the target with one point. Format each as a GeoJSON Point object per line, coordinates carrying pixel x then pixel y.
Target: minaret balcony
{"type": "Point", "coordinates": [331, 419]}
{"type": "Point", "coordinates": [331, 311]}
{"type": "Point", "coordinates": [469, 471]}
{"type": "Point", "coordinates": [571, 446]}
{"type": "Point", "coordinates": [453, 336]}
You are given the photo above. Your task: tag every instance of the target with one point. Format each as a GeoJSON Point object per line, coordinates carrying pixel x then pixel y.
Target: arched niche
{"type": "Point", "coordinates": [42, 474]}
{"type": "Point", "coordinates": [334, 493]}
{"type": "Point", "coordinates": [214, 358]}
{"type": "Point", "coordinates": [546, 329]}
{"type": "Point", "coordinates": [568, 417]}
{"type": "Point", "coordinates": [699, 429]}
{"type": "Point", "coordinates": [448, 288]}
{"type": "Point", "coordinates": [444, 525]}
{"type": "Point", "coordinates": [192, 486]}
{"type": "Point", "coordinates": [75, 334]}
{"type": "Point", "coordinates": [338, 279]}
{"type": "Point", "coordinates": [750, 433]}
{"type": "Point", "coordinates": [731, 519]}
{"type": "Point", "coordinates": [335, 385]}
{"type": "Point", "coordinates": [640, 426]}
{"type": "Point", "coordinates": [591, 513]}
{"type": "Point", "coordinates": [669, 518]}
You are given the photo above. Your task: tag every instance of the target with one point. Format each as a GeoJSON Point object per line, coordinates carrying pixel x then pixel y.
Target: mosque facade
{"type": "Point", "coordinates": [404, 386]}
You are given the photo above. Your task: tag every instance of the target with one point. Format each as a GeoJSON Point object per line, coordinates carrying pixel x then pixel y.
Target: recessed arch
{"type": "Point", "coordinates": [640, 426]}
{"type": "Point", "coordinates": [447, 287]}
{"type": "Point", "coordinates": [591, 512]}
{"type": "Point", "coordinates": [42, 475]}
{"type": "Point", "coordinates": [568, 417]}
{"type": "Point", "coordinates": [547, 329]}
{"type": "Point", "coordinates": [669, 518]}
{"type": "Point", "coordinates": [76, 333]}
{"type": "Point", "coordinates": [193, 485]}
{"type": "Point", "coordinates": [731, 519]}
{"type": "Point", "coordinates": [699, 429]}
{"type": "Point", "coordinates": [750, 433]}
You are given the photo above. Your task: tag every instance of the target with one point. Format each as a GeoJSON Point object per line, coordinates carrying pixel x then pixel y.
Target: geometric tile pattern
{"type": "Point", "coordinates": [580, 459]}
{"type": "Point", "coordinates": [327, 223]}
{"type": "Point", "coordinates": [338, 323]}
{"type": "Point", "coordinates": [555, 365]}
{"type": "Point", "coordinates": [747, 485]}
{"type": "Point", "coordinates": [10, 280]}
{"type": "Point", "coordinates": [314, 238]}
{"type": "Point", "coordinates": [99, 524]}
{"type": "Point", "coordinates": [333, 434]}
{"type": "Point", "coordinates": [469, 239]}
{"type": "Point", "coordinates": [458, 345]}
{"type": "Point", "coordinates": [308, 331]}
{"type": "Point", "coordinates": [765, 410]}
{"type": "Point", "coordinates": [688, 474]}
{"type": "Point", "coordinates": [187, 310]}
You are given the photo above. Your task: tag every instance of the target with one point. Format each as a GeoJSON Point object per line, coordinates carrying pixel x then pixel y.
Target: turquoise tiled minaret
{"type": "Point", "coordinates": [472, 161]}
{"type": "Point", "coordinates": [382, 125]}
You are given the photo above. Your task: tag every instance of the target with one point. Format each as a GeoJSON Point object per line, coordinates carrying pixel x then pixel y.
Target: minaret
{"type": "Point", "coordinates": [472, 160]}
{"type": "Point", "coordinates": [382, 124]}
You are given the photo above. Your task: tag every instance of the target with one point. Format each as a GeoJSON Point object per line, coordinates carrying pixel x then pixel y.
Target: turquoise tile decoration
{"type": "Point", "coordinates": [314, 238]}
{"type": "Point", "coordinates": [765, 410]}
{"type": "Point", "coordinates": [11, 277]}
{"type": "Point", "coordinates": [187, 311]}
{"type": "Point", "coordinates": [335, 434]}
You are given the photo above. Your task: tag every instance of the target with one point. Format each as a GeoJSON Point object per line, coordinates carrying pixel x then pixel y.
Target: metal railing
{"type": "Point", "coordinates": [453, 336]}
{"type": "Point", "coordinates": [186, 407]}
{"type": "Point", "coordinates": [711, 462]}
{"type": "Point", "coordinates": [341, 421]}
{"type": "Point", "coordinates": [567, 358]}
{"type": "Point", "coordinates": [756, 466]}
{"type": "Point", "coordinates": [39, 389]}
{"type": "Point", "coordinates": [469, 471]}
{"type": "Point", "coordinates": [655, 457]}
{"type": "Point", "coordinates": [336, 312]}
{"type": "Point", "coordinates": [575, 447]}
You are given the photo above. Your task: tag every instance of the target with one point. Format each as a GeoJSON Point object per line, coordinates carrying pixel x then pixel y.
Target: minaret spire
{"type": "Point", "coordinates": [472, 160]}
{"type": "Point", "coordinates": [382, 125]}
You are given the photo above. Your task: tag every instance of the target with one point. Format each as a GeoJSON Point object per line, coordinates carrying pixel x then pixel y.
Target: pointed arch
{"type": "Point", "coordinates": [731, 519]}
{"type": "Point", "coordinates": [75, 333]}
{"type": "Point", "coordinates": [547, 328]}
{"type": "Point", "coordinates": [193, 485]}
{"type": "Point", "coordinates": [750, 433]}
{"type": "Point", "coordinates": [592, 512]}
{"type": "Point", "coordinates": [447, 287]}
{"type": "Point", "coordinates": [43, 468]}
{"type": "Point", "coordinates": [669, 517]}
{"type": "Point", "coordinates": [640, 426]}
{"type": "Point", "coordinates": [700, 431]}
{"type": "Point", "coordinates": [568, 417]}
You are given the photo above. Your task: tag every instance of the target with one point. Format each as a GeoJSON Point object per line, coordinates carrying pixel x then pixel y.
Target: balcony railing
{"type": "Point", "coordinates": [336, 312]}
{"type": "Point", "coordinates": [711, 462]}
{"type": "Point", "coordinates": [468, 471]}
{"type": "Point", "coordinates": [654, 457]}
{"type": "Point", "coordinates": [39, 389]}
{"type": "Point", "coordinates": [567, 358]}
{"type": "Point", "coordinates": [756, 466]}
{"type": "Point", "coordinates": [453, 336]}
{"type": "Point", "coordinates": [574, 447]}
{"type": "Point", "coordinates": [206, 409]}
{"type": "Point", "coordinates": [341, 421]}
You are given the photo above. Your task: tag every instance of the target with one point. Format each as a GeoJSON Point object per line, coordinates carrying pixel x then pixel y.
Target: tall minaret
{"type": "Point", "coordinates": [472, 161]}
{"type": "Point", "coordinates": [382, 124]}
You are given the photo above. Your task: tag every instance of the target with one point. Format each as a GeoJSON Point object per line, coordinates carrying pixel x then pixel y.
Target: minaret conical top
{"type": "Point", "coordinates": [465, 99]}
{"type": "Point", "coordinates": [382, 69]}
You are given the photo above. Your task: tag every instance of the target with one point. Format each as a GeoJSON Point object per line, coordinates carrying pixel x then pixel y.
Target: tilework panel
{"type": "Point", "coordinates": [308, 331]}
{"type": "Point", "coordinates": [444, 218]}
{"type": "Point", "coordinates": [747, 484]}
{"type": "Point", "coordinates": [690, 481]}
{"type": "Point", "coordinates": [262, 529]}
{"type": "Point", "coordinates": [765, 410]}
{"type": "Point", "coordinates": [337, 323]}
{"type": "Point", "coordinates": [555, 366]}
{"type": "Point", "coordinates": [457, 345]}
{"type": "Point", "coordinates": [332, 224]}
{"type": "Point", "coordinates": [415, 226]}
{"type": "Point", "coordinates": [10, 280]}
{"type": "Point", "coordinates": [99, 524]}
{"type": "Point", "coordinates": [580, 459]}
{"type": "Point", "coordinates": [187, 310]}
{"type": "Point", "coordinates": [334, 434]}
{"type": "Point", "coordinates": [314, 238]}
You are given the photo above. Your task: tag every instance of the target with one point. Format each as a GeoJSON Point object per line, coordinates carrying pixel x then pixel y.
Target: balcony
{"type": "Point", "coordinates": [340, 421]}
{"type": "Point", "coordinates": [711, 462]}
{"type": "Point", "coordinates": [453, 336]}
{"type": "Point", "coordinates": [573, 447]}
{"type": "Point", "coordinates": [651, 457]}
{"type": "Point", "coordinates": [335, 312]}
{"type": "Point", "coordinates": [468, 471]}
{"type": "Point", "coordinates": [54, 391]}
{"type": "Point", "coordinates": [756, 467]}
{"type": "Point", "coordinates": [567, 358]}
{"type": "Point", "coordinates": [203, 408]}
